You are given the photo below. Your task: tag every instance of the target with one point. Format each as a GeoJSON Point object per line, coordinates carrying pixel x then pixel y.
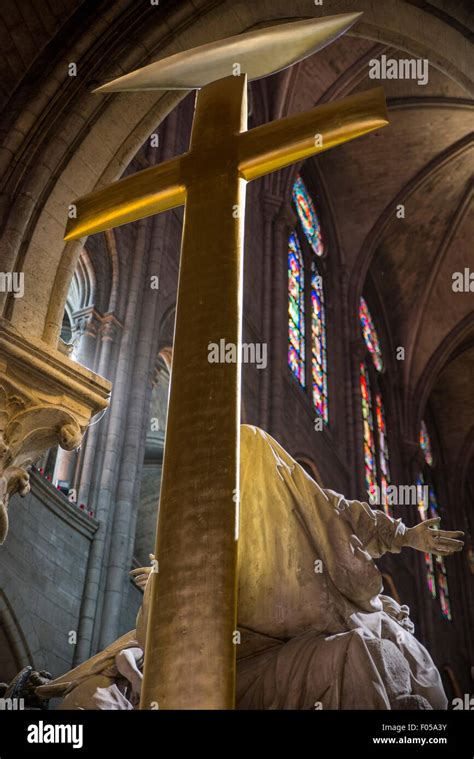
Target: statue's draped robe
{"type": "Point", "coordinates": [307, 580]}
{"type": "Point", "coordinates": [315, 630]}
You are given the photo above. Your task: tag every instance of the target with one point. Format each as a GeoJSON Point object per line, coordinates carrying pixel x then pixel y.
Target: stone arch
{"type": "Point", "coordinates": [83, 283]}
{"type": "Point", "coordinates": [453, 343]}
{"type": "Point", "coordinates": [379, 228]}
{"type": "Point", "coordinates": [120, 125]}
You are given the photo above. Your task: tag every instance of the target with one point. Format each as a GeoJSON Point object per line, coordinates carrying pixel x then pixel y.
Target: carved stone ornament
{"type": "Point", "coordinates": [45, 399]}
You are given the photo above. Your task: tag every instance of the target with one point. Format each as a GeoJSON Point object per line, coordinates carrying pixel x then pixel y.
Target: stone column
{"type": "Point", "coordinates": [85, 329]}
{"type": "Point", "coordinates": [350, 411]}
{"type": "Point", "coordinates": [130, 459]}
{"type": "Point", "coordinates": [271, 208]}
{"type": "Point", "coordinates": [45, 399]}
{"type": "Point", "coordinates": [357, 349]}
{"type": "Point", "coordinates": [131, 462]}
{"type": "Point", "coordinates": [108, 331]}
{"type": "Point", "coordinates": [113, 445]}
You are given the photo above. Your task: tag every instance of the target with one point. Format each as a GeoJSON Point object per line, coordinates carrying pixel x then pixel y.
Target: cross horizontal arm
{"type": "Point", "coordinates": [142, 194]}
{"type": "Point", "coordinates": [280, 143]}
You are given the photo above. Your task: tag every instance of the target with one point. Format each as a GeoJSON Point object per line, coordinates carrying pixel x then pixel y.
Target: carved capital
{"type": "Point", "coordinates": [45, 399]}
{"type": "Point", "coordinates": [109, 328]}
{"type": "Point", "coordinates": [86, 322]}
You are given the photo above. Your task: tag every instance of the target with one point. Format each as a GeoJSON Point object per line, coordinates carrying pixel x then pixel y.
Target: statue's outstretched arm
{"type": "Point", "coordinates": [380, 532]}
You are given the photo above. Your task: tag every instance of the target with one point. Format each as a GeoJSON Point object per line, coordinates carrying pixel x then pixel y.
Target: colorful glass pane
{"type": "Point", "coordinates": [423, 510]}
{"type": "Point", "coordinates": [308, 216]}
{"type": "Point", "coordinates": [435, 565]}
{"type": "Point", "coordinates": [425, 444]}
{"type": "Point", "coordinates": [383, 451]}
{"type": "Point", "coordinates": [368, 432]}
{"type": "Point", "coordinates": [296, 355]}
{"type": "Point", "coordinates": [370, 335]}
{"type": "Point", "coordinates": [440, 564]}
{"type": "Point", "coordinates": [318, 336]}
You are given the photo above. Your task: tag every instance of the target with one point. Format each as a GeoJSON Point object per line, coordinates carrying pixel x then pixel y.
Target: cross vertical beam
{"type": "Point", "coordinates": [190, 654]}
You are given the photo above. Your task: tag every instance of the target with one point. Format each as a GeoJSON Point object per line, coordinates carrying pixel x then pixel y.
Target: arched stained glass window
{"type": "Point", "coordinates": [308, 216]}
{"type": "Point", "coordinates": [296, 314]}
{"type": "Point", "coordinates": [370, 335]}
{"type": "Point", "coordinates": [436, 573]}
{"type": "Point", "coordinates": [425, 444]}
{"type": "Point", "coordinates": [368, 432]}
{"type": "Point", "coordinates": [376, 458]}
{"type": "Point", "coordinates": [319, 369]}
{"type": "Point", "coordinates": [305, 282]}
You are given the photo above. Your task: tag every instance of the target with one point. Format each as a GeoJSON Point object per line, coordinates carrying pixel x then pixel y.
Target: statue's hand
{"type": "Point", "coordinates": [140, 575]}
{"type": "Point", "coordinates": [425, 538]}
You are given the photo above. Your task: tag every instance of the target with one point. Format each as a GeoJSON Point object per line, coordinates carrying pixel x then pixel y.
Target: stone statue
{"type": "Point", "coordinates": [315, 631]}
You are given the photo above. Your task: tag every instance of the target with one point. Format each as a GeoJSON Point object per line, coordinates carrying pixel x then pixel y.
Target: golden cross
{"type": "Point", "coordinates": [190, 648]}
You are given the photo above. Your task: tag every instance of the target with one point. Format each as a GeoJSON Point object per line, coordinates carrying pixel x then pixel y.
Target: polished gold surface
{"type": "Point", "coordinates": [143, 194]}
{"type": "Point", "coordinates": [260, 151]}
{"type": "Point", "coordinates": [258, 54]}
{"type": "Point", "coordinates": [281, 143]}
{"type": "Point", "coordinates": [190, 653]}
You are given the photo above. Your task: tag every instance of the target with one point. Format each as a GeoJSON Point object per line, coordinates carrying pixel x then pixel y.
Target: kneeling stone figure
{"type": "Point", "coordinates": [316, 632]}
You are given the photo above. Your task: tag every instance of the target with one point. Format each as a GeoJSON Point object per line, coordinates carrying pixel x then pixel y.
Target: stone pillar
{"type": "Point", "coordinates": [109, 329]}
{"type": "Point", "coordinates": [349, 411]}
{"type": "Point", "coordinates": [130, 459]}
{"type": "Point", "coordinates": [107, 479]}
{"type": "Point", "coordinates": [45, 399]}
{"type": "Point", "coordinates": [271, 208]}
{"type": "Point", "coordinates": [358, 351]}
{"type": "Point", "coordinates": [85, 329]}
{"type": "Point", "coordinates": [131, 462]}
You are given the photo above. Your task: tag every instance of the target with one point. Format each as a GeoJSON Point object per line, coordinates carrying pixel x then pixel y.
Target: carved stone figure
{"type": "Point", "coordinates": [69, 436]}
{"type": "Point", "coordinates": [315, 629]}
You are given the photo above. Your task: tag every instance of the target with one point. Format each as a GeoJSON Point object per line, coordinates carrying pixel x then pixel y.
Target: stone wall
{"type": "Point", "coordinates": [42, 569]}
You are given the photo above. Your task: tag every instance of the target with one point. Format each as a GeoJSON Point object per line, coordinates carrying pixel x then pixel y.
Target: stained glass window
{"type": "Point", "coordinates": [308, 216]}
{"type": "Point", "coordinates": [318, 338]}
{"type": "Point", "coordinates": [370, 335]}
{"type": "Point", "coordinates": [423, 510]}
{"type": "Point", "coordinates": [296, 332]}
{"type": "Point", "coordinates": [384, 478]}
{"type": "Point", "coordinates": [425, 444]}
{"type": "Point", "coordinates": [436, 573]}
{"type": "Point", "coordinates": [369, 441]}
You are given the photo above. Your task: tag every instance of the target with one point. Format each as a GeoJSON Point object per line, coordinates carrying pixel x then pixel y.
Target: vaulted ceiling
{"type": "Point", "coordinates": [423, 160]}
